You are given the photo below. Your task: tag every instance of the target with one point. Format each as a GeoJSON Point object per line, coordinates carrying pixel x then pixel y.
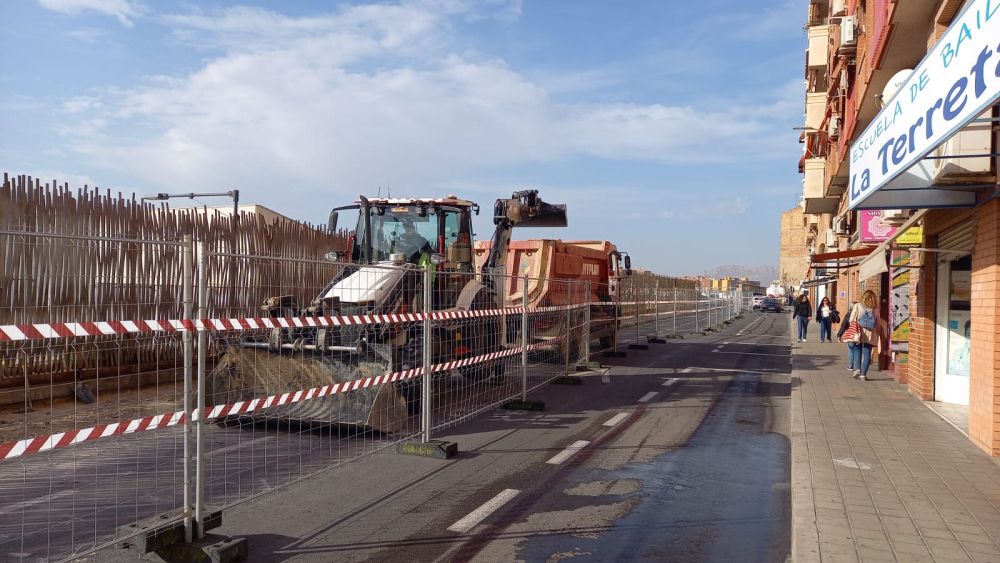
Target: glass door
{"type": "Point", "coordinates": [954, 319]}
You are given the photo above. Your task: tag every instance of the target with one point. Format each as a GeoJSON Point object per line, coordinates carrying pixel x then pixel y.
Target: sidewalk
{"type": "Point", "coordinates": [877, 476]}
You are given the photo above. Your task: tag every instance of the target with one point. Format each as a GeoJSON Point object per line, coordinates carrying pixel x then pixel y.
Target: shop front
{"type": "Point", "coordinates": [929, 160]}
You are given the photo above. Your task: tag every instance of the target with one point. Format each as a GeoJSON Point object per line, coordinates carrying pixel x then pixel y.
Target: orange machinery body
{"type": "Point", "coordinates": [547, 262]}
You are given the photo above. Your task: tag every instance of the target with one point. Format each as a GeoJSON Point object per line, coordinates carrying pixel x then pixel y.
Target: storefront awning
{"type": "Point", "coordinates": [816, 282]}
{"type": "Point", "coordinates": [893, 163]}
{"type": "Point", "coordinates": [876, 262]}
{"type": "Point", "coordinates": [840, 259]}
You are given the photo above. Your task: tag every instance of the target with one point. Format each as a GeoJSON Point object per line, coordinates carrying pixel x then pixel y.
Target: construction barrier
{"type": "Point", "coordinates": [208, 403]}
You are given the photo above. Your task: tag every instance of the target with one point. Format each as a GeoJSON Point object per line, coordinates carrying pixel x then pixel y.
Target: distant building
{"type": "Point", "coordinates": [269, 215]}
{"type": "Point", "coordinates": [794, 260]}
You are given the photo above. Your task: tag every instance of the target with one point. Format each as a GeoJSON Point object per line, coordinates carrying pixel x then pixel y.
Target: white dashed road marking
{"type": "Point", "coordinates": [616, 419]}
{"type": "Point", "coordinates": [670, 382]}
{"type": "Point", "coordinates": [568, 452]}
{"type": "Point", "coordinates": [480, 514]}
{"type": "Point", "coordinates": [648, 396]}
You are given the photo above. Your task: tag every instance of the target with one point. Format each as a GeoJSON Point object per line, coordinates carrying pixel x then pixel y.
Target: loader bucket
{"type": "Point", "coordinates": [244, 374]}
{"type": "Point", "coordinates": [547, 215]}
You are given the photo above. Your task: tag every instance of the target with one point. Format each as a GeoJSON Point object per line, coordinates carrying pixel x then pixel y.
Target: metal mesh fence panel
{"type": "Point", "coordinates": [91, 410]}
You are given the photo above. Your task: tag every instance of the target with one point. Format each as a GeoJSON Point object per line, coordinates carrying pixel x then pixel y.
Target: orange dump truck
{"type": "Point", "coordinates": [550, 264]}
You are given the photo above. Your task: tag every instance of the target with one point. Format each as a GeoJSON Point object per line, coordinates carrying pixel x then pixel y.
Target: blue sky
{"type": "Point", "coordinates": [666, 126]}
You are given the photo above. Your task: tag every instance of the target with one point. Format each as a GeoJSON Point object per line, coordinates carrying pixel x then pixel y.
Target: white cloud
{"type": "Point", "coordinates": [325, 107]}
{"type": "Point", "coordinates": [721, 208]}
{"type": "Point", "coordinates": [124, 10]}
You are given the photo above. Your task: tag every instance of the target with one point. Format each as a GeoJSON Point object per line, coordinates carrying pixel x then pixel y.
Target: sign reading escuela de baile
{"type": "Point", "coordinates": [956, 81]}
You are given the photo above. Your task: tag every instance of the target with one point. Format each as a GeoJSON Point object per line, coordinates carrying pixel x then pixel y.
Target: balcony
{"type": "Point", "coordinates": [819, 46]}
{"type": "Point", "coordinates": [815, 109]}
{"type": "Point", "coordinates": [813, 184]}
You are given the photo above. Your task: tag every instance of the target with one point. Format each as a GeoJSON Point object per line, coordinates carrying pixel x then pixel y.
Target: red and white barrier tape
{"type": "Point", "coordinates": [42, 331]}
{"type": "Point", "coordinates": [10, 450]}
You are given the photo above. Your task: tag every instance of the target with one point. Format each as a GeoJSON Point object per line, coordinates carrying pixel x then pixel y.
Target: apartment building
{"type": "Point", "coordinates": [900, 193]}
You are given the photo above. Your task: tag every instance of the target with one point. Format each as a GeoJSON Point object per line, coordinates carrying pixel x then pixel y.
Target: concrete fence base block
{"type": "Point", "coordinates": [656, 341]}
{"type": "Point", "coordinates": [567, 380]}
{"type": "Point", "coordinates": [638, 346]}
{"type": "Point", "coordinates": [225, 550]}
{"type": "Point", "coordinates": [614, 354]}
{"type": "Point", "coordinates": [519, 405]}
{"type": "Point", "coordinates": [159, 532]}
{"type": "Point", "coordinates": [437, 449]}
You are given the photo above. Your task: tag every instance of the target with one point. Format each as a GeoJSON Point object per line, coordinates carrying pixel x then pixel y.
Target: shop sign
{"type": "Point", "coordinates": [952, 85]}
{"type": "Point", "coordinates": [911, 237]}
{"type": "Point", "coordinates": [873, 227]}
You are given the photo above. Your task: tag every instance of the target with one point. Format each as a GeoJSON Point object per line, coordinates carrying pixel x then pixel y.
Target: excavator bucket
{"type": "Point", "coordinates": [243, 374]}
{"type": "Point", "coordinates": [548, 215]}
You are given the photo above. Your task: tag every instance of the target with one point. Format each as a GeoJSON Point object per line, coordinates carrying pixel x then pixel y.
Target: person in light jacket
{"type": "Point", "coordinates": [802, 313]}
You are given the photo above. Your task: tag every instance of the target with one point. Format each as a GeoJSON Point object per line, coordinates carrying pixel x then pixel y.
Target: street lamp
{"type": "Point", "coordinates": [235, 194]}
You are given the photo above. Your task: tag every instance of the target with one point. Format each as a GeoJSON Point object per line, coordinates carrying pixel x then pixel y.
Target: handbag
{"type": "Point", "coordinates": [852, 333]}
{"type": "Point", "coordinates": [835, 316]}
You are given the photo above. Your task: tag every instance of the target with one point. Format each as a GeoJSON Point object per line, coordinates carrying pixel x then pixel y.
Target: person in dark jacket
{"type": "Point", "coordinates": [802, 314]}
{"type": "Point", "coordinates": [825, 316]}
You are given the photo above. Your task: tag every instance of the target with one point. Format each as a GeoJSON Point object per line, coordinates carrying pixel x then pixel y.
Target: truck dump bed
{"type": "Point", "coordinates": [549, 263]}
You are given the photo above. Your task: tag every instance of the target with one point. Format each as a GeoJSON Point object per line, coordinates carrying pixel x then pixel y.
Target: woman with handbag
{"type": "Point", "coordinates": [825, 316]}
{"type": "Point", "coordinates": [850, 334]}
{"type": "Point", "coordinates": [860, 334]}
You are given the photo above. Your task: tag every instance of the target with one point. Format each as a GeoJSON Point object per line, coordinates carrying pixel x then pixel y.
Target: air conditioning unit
{"type": "Point", "coordinates": [838, 7]}
{"type": "Point", "coordinates": [833, 127]}
{"type": "Point", "coordinates": [848, 32]}
{"type": "Point", "coordinates": [895, 216]}
{"type": "Point", "coordinates": [840, 226]}
{"type": "Point", "coordinates": [975, 139]}
{"type": "Point", "coordinates": [831, 239]}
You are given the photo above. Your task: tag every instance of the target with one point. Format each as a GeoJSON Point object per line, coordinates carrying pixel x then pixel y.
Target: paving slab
{"type": "Point", "coordinates": [878, 476]}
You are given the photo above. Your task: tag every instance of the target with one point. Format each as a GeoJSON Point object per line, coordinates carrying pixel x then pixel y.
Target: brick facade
{"type": "Point", "coordinates": [794, 260]}
{"type": "Point", "coordinates": [984, 370]}
{"type": "Point", "coordinates": [920, 369]}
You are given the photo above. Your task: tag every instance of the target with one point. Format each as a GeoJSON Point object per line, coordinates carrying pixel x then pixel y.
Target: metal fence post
{"type": "Point", "coordinates": [586, 321]}
{"type": "Point", "coordinates": [569, 324]}
{"type": "Point", "coordinates": [656, 309]}
{"type": "Point", "coordinates": [425, 393]}
{"type": "Point", "coordinates": [199, 487]}
{"type": "Point", "coordinates": [187, 294]}
{"type": "Point", "coordinates": [635, 300]}
{"type": "Point", "coordinates": [674, 320]}
{"type": "Point", "coordinates": [697, 313]}
{"type": "Point", "coordinates": [524, 338]}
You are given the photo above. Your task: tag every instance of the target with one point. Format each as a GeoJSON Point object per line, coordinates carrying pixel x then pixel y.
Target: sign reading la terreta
{"type": "Point", "coordinates": [952, 85]}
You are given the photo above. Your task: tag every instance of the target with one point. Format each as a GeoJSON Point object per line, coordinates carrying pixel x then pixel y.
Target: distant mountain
{"type": "Point", "coordinates": [763, 274]}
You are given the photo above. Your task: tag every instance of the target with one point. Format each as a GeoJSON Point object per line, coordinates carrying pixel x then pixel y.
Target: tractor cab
{"type": "Point", "coordinates": [411, 231]}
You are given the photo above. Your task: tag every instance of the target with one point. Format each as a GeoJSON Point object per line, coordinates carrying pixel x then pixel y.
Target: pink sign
{"type": "Point", "coordinates": [873, 228]}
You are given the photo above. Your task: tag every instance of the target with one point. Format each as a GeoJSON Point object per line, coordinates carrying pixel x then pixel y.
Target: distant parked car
{"type": "Point", "coordinates": [771, 305]}
{"type": "Point", "coordinates": [757, 302]}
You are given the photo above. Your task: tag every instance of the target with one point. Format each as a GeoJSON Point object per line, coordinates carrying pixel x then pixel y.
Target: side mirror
{"type": "Point", "coordinates": [628, 265]}
{"type": "Point", "coordinates": [331, 223]}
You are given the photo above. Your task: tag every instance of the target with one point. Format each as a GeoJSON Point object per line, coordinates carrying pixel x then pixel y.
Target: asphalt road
{"type": "Point", "coordinates": [70, 500]}
{"type": "Point", "coordinates": [680, 452]}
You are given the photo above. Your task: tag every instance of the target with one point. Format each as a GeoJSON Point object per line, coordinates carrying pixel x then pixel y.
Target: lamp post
{"type": "Point", "coordinates": [235, 194]}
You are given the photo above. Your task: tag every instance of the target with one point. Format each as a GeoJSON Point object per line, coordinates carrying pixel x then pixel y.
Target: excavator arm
{"type": "Point", "coordinates": [523, 209]}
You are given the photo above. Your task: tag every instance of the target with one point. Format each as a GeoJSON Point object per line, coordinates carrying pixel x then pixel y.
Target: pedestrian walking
{"type": "Point", "coordinates": [826, 315]}
{"type": "Point", "coordinates": [850, 334]}
{"type": "Point", "coordinates": [802, 313]}
{"type": "Point", "coordinates": [860, 334]}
